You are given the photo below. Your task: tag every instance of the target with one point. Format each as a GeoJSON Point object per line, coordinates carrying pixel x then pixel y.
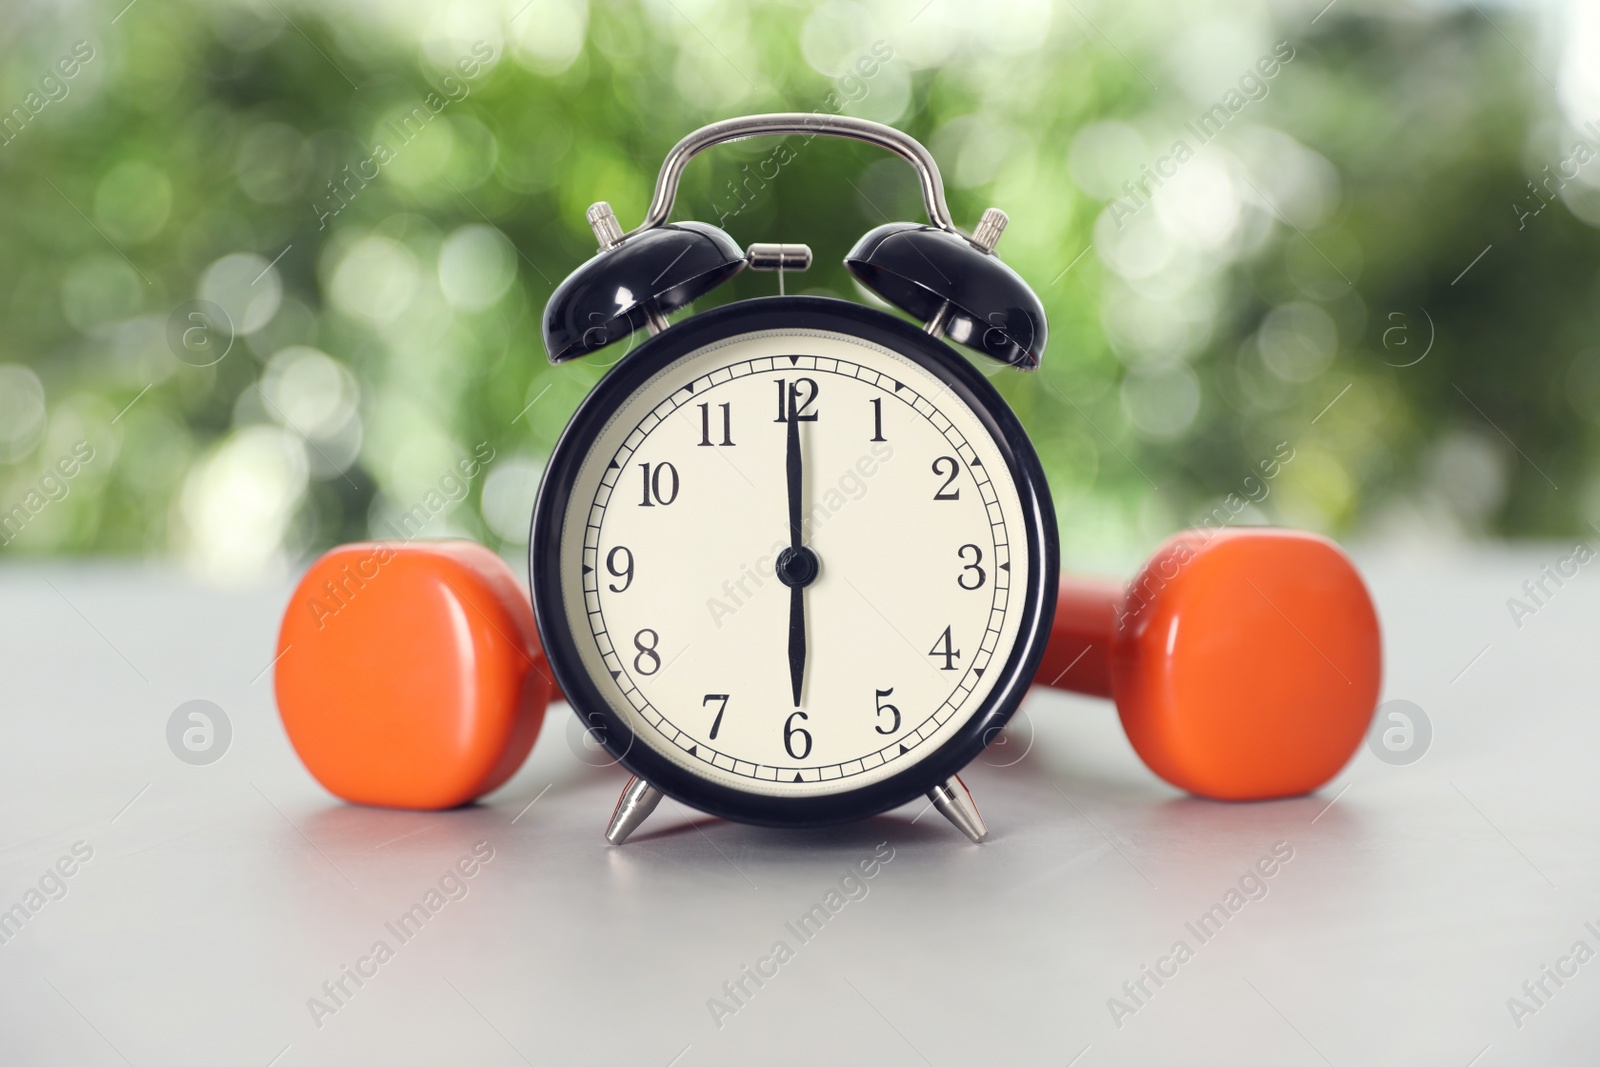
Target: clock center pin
{"type": "Point", "coordinates": [797, 567]}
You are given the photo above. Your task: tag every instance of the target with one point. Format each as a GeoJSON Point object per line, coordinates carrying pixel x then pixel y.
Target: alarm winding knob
{"type": "Point", "coordinates": [603, 221]}
{"type": "Point", "coordinates": [984, 236]}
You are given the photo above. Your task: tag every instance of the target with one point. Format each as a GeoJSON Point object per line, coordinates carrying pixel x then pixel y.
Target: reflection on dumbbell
{"type": "Point", "coordinates": [1244, 663]}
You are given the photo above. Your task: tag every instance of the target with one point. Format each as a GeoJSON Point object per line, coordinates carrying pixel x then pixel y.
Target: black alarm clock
{"type": "Point", "coordinates": [794, 560]}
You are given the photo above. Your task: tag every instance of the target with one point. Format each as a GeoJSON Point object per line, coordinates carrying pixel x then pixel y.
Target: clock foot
{"type": "Point", "coordinates": [638, 800]}
{"type": "Point", "coordinates": [955, 803]}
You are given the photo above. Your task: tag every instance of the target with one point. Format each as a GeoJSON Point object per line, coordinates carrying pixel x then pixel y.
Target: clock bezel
{"type": "Point", "coordinates": [799, 313]}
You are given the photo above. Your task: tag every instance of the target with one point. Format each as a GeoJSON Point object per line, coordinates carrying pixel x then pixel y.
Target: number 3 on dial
{"type": "Point", "coordinates": [978, 574]}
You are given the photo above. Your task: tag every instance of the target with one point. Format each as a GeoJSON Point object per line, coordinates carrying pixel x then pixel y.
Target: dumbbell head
{"type": "Point", "coordinates": [411, 676]}
{"type": "Point", "coordinates": [1246, 663]}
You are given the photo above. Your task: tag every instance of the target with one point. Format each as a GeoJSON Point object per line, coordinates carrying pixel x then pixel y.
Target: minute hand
{"type": "Point", "coordinates": [793, 468]}
{"type": "Point", "coordinates": [797, 598]}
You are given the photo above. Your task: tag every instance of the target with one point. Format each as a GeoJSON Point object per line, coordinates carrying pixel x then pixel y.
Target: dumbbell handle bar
{"type": "Point", "coordinates": [1078, 656]}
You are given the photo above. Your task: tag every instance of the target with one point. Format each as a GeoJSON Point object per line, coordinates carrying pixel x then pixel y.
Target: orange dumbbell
{"type": "Point", "coordinates": [1244, 663]}
{"type": "Point", "coordinates": [411, 676]}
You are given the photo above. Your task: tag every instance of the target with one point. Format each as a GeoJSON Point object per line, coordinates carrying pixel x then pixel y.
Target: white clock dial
{"type": "Point", "coordinates": [678, 516]}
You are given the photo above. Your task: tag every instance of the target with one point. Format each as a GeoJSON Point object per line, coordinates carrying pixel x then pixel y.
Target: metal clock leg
{"type": "Point", "coordinates": [638, 800]}
{"type": "Point", "coordinates": [955, 803]}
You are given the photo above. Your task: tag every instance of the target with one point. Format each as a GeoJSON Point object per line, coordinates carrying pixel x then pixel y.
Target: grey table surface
{"type": "Point", "coordinates": [219, 899]}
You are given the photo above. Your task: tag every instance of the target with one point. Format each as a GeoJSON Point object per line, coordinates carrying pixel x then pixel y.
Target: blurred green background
{"type": "Point", "coordinates": [1381, 258]}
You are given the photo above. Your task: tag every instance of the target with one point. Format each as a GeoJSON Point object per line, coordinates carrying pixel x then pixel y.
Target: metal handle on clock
{"type": "Point", "coordinates": [843, 126]}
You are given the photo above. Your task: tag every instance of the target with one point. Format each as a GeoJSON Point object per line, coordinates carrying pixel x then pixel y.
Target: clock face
{"type": "Point", "coordinates": [793, 562]}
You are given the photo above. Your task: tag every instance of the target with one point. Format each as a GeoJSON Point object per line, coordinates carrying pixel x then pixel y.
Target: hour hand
{"type": "Point", "coordinates": [797, 640]}
{"type": "Point", "coordinates": [797, 568]}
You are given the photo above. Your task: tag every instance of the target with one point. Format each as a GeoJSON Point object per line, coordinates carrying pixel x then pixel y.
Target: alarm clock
{"type": "Point", "coordinates": [794, 560]}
